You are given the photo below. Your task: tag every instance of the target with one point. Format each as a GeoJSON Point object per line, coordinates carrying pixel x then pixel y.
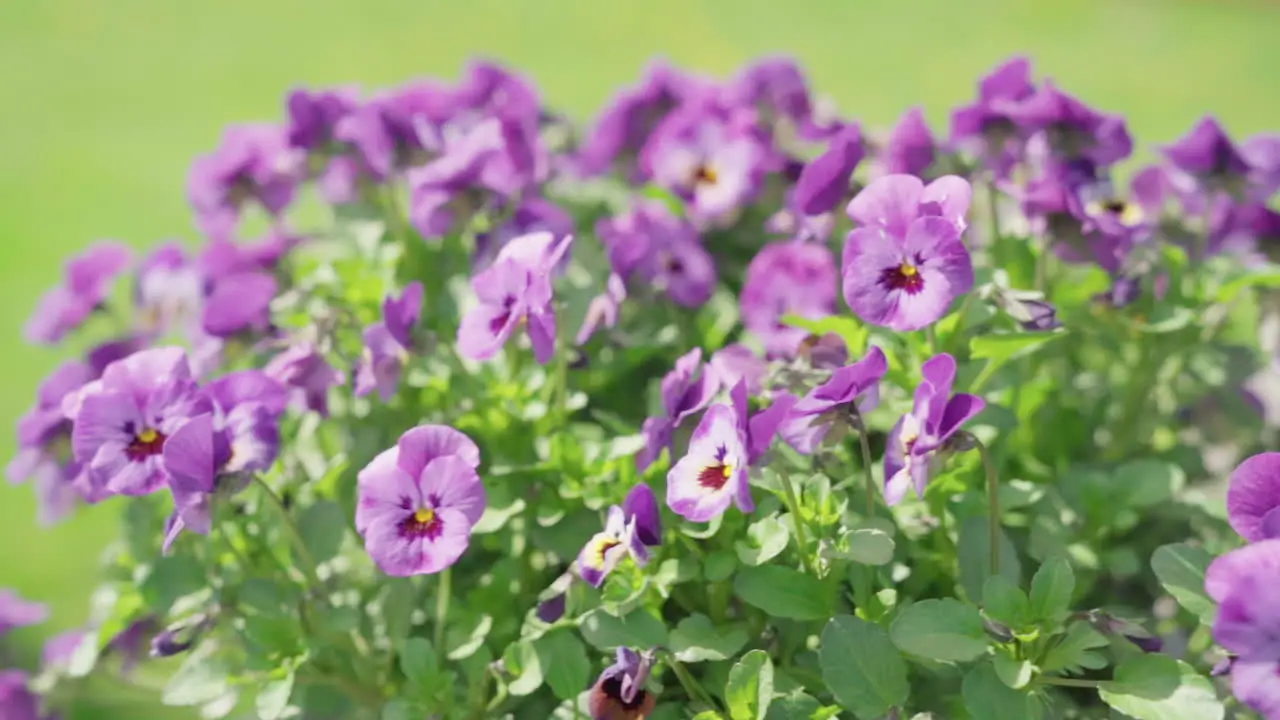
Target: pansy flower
{"type": "Point", "coordinates": [239, 303]}
{"type": "Point", "coordinates": [708, 159]}
{"type": "Point", "coordinates": [313, 117]}
{"type": "Point", "coordinates": [86, 282]}
{"type": "Point", "coordinates": [603, 309]}
{"type": "Point", "coordinates": [388, 344]}
{"type": "Point", "coordinates": [16, 612]}
{"type": "Point", "coordinates": [121, 422]}
{"type": "Point", "coordinates": [824, 182]}
{"type": "Point", "coordinates": [630, 530]}
{"type": "Point", "coordinates": [1207, 153]}
{"type": "Point", "coordinates": [906, 263]}
{"type": "Point", "coordinates": [1072, 129]}
{"type": "Point", "coordinates": [515, 292]}
{"type": "Point", "coordinates": [1242, 582]}
{"type": "Point", "coordinates": [1253, 497]}
{"type": "Point", "coordinates": [828, 405]}
{"type": "Point", "coordinates": [624, 125]}
{"type": "Point", "coordinates": [1262, 152]}
{"type": "Point", "coordinates": [532, 215]}
{"type": "Point", "coordinates": [985, 128]}
{"type": "Point", "coordinates": [714, 471]}
{"type": "Point", "coordinates": [16, 698]}
{"type": "Point", "coordinates": [254, 163]}
{"type": "Point", "coordinates": [686, 390]}
{"type": "Point", "coordinates": [44, 442]}
{"type": "Point", "coordinates": [307, 374]}
{"type": "Point", "coordinates": [787, 278]}
{"type": "Point", "coordinates": [650, 244]}
{"type": "Point", "coordinates": [418, 501]}
{"type": "Point", "coordinates": [737, 362]}
{"type": "Point", "coordinates": [911, 149]}
{"type": "Point", "coordinates": [168, 291]}
{"type": "Point", "coordinates": [918, 438]}
{"type": "Point", "coordinates": [619, 693]}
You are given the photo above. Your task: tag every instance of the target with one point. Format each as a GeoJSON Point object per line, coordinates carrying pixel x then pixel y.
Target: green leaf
{"type": "Point", "coordinates": [999, 349]}
{"type": "Point", "coordinates": [322, 526]}
{"type": "Point", "coordinates": [1265, 278]}
{"type": "Point", "coordinates": [784, 592]}
{"type": "Point", "coordinates": [635, 629]}
{"type": "Point", "coordinates": [975, 556]}
{"type": "Point", "coordinates": [400, 710]}
{"type": "Point", "coordinates": [766, 539]}
{"type": "Point", "coordinates": [696, 639]}
{"type": "Point", "coordinates": [1014, 673]}
{"type": "Point", "coordinates": [418, 661]}
{"type": "Point", "coordinates": [1180, 569]}
{"type": "Point", "coordinates": [945, 629]}
{"type": "Point", "coordinates": [397, 608]}
{"type": "Point", "coordinates": [719, 565]}
{"type": "Point", "coordinates": [200, 679]}
{"type": "Point", "coordinates": [1168, 318]}
{"type": "Point", "coordinates": [750, 687]}
{"type": "Point", "coordinates": [862, 668]}
{"type": "Point", "coordinates": [986, 696]}
{"type": "Point", "coordinates": [564, 662]}
{"type": "Point", "coordinates": [273, 699]}
{"type": "Point", "coordinates": [465, 643]}
{"type": "Point", "coordinates": [853, 333]}
{"type": "Point", "coordinates": [1051, 590]}
{"type": "Point", "coordinates": [1074, 650]}
{"type": "Point", "coordinates": [1148, 482]}
{"type": "Point", "coordinates": [869, 546]}
{"type": "Point", "coordinates": [1157, 687]}
{"type": "Point", "coordinates": [1004, 601]}
{"type": "Point", "coordinates": [799, 706]}
{"type": "Point", "coordinates": [172, 577]}
{"type": "Point", "coordinates": [522, 662]}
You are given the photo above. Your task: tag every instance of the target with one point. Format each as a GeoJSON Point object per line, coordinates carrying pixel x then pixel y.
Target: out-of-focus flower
{"type": "Point", "coordinates": [626, 122]}
{"type": "Point", "coordinates": [603, 309]}
{"type": "Point", "coordinates": [1253, 497]}
{"type": "Point", "coordinates": [1072, 129]}
{"type": "Point", "coordinates": [388, 344]}
{"type": "Point", "coordinates": [16, 699]}
{"type": "Point", "coordinates": [44, 442]}
{"type": "Point", "coordinates": [711, 161]}
{"type": "Point", "coordinates": [86, 282]}
{"type": "Point", "coordinates": [1248, 621]}
{"type": "Point", "coordinates": [515, 292]}
{"type": "Point", "coordinates": [911, 148]}
{"type": "Point", "coordinates": [686, 390]}
{"type": "Point", "coordinates": [619, 692]}
{"type": "Point", "coordinates": [985, 128]}
{"type": "Point", "coordinates": [788, 278]}
{"type": "Point", "coordinates": [254, 163]}
{"type": "Point", "coordinates": [630, 530]}
{"type": "Point", "coordinates": [828, 406]}
{"type": "Point", "coordinates": [651, 245]}
{"type": "Point", "coordinates": [16, 612]}
{"type": "Point", "coordinates": [738, 362]}
{"type": "Point", "coordinates": [1207, 153]}
{"type": "Point", "coordinates": [307, 374]}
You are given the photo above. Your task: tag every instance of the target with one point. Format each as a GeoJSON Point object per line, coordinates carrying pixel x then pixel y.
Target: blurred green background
{"type": "Point", "coordinates": [103, 104]}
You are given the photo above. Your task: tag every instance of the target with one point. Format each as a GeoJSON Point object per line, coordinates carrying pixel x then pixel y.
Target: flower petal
{"type": "Point", "coordinates": [1253, 492]}
{"type": "Point", "coordinates": [891, 203]}
{"type": "Point", "coordinates": [449, 481]}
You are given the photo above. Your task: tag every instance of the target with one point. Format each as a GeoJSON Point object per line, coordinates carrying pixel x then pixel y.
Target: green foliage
{"type": "Point", "coordinates": [862, 668]}
{"type": "Point", "coordinates": [947, 630]}
{"type": "Point", "coordinates": [750, 688]}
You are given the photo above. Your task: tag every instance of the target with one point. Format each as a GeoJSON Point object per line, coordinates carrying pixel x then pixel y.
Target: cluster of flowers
{"type": "Point", "coordinates": [483, 157]}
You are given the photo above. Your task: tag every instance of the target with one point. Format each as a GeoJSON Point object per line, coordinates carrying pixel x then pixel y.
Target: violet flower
{"type": "Point", "coordinates": [911, 148]}
{"type": "Point", "coordinates": [1207, 153]}
{"type": "Point", "coordinates": [776, 88]}
{"type": "Point", "coordinates": [87, 281]}
{"type": "Point", "coordinates": [16, 699]}
{"type": "Point", "coordinates": [239, 303]}
{"type": "Point", "coordinates": [737, 362]}
{"type": "Point", "coordinates": [851, 389]}
{"type": "Point", "coordinates": [824, 181]}
{"type": "Point", "coordinates": [58, 650]}
{"type": "Point", "coordinates": [122, 421]}
{"type": "Point", "coordinates": [168, 291]}
{"type": "Point", "coordinates": [603, 309]}
{"type": "Point", "coordinates": [1253, 497]}
{"type": "Point", "coordinates": [787, 278]}
{"type": "Point", "coordinates": [418, 501]}
{"type": "Point", "coordinates": [129, 642]}
{"type": "Point", "coordinates": [314, 116]}
{"type": "Point", "coordinates": [532, 215]}
{"type": "Point", "coordinates": [707, 160]}
{"type": "Point", "coordinates": [1262, 152]}
{"type": "Point", "coordinates": [307, 374]}
{"type": "Point", "coordinates": [514, 293]}
{"type": "Point", "coordinates": [631, 529]}
{"type": "Point", "coordinates": [388, 130]}
{"type": "Point", "coordinates": [1248, 621]}
{"type": "Point", "coordinates": [253, 163]}
{"type": "Point", "coordinates": [906, 265]}
{"type": "Point", "coordinates": [917, 439]}
{"type": "Point", "coordinates": [16, 612]}
{"type": "Point", "coordinates": [626, 122]}
{"type": "Point", "coordinates": [44, 442]}
{"type": "Point", "coordinates": [619, 692]}
{"type": "Point", "coordinates": [714, 471]}
{"type": "Point", "coordinates": [388, 344]}
{"type": "Point", "coordinates": [447, 191]}
{"type": "Point", "coordinates": [1071, 128]}
{"type": "Point", "coordinates": [194, 457]}
{"type": "Point", "coordinates": [824, 352]}
{"type": "Point", "coordinates": [686, 390]}
{"type": "Point", "coordinates": [985, 128]}
{"type": "Point", "coordinates": [650, 244]}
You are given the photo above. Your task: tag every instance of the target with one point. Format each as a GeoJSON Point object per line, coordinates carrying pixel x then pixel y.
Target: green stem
{"type": "Point", "coordinates": [865, 445]}
{"type": "Point", "coordinates": [993, 507]}
{"type": "Point", "coordinates": [931, 336]}
{"type": "Point", "coordinates": [689, 682]}
{"type": "Point", "coordinates": [1134, 401]}
{"type": "Point", "coordinates": [444, 591]}
{"type": "Point", "coordinates": [295, 536]}
{"type": "Point", "coordinates": [793, 505]}
{"type": "Point", "coordinates": [993, 209]}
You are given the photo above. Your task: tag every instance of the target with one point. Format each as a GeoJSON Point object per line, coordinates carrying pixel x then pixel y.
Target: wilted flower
{"type": "Point", "coordinates": [906, 265]}
{"type": "Point", "coordinates": [917, 438]}
{"type": "Point", "coordinates": [16, 612]}
{"type": "Point", "coordinates": [307, 374]}
{"type": "Point", "coordinates": [788, 278]}
{"type": "Point", "coordinates": [686, 390]}
{"type": "Point", "coordinates": [86, 282]}
{"type": "Point", "coordinates": [911, 149]}
{"type": "Point", "coordinates": [630, 530]}
{"type": "Point", "coordinates": [388, 344]}
{"type": "Point", "coordinates": [619, 693]}
{"type": "Point", "coordinates": [655, 247]}
{"type": "Point", "coordinates": [122, 421]}
{"type": "Point", "coordinates": [854, 388]}
{"type": "Point", "coordinates": [253, 163]}
{"type": "Point", "coordinates": [419, 500]}
{"type": "Point", "coordinates": [738, 362]}
{"type": "Point", "coordinates": [706, 159]}
{"type": "Point", "coordinates": [515, 292]}
{"type": "Point", "coordinates": [1253, 497]}
{"type": "Point", "coordinates": [1248, 621]}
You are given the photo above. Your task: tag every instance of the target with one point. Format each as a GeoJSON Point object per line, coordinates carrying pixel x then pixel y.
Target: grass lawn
{"type": "Point", "coordinates": [104, 104]}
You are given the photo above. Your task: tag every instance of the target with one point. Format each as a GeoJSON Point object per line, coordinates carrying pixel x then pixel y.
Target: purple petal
{"type": "Point", "coordinates": [763, 426]}
{"type": "Point", "coordinates": [449, 481]}
{"type": "Point", "coordinates": [959, 410]}
{"type": "Point", "coordinates": [949, 197]}
{"type": "Point", "coordinates": [16, 612]}
{"type": "Point", "coordinates": [248, 386]}
{"type": "Point", "coordinates": [694, 491]}
{"type": "Point", "coordinates": [824, 182]}
{"type": "Point", "coordinates": [642, 505]}
{"type": "Point", "coordinates": [189, 456]}
{"type": "Point", "coordinates": [1257, 684]}
{"type": "Point", "coordinates": [911, 147]}
{"type": "Point", "coordinates": [422, 444]}
{"type": "Point", "coordinates": [890, 202]}
{"type": "Point", "coordinates": [1253, 493]}
{"type": "Point", "coordinates": [238, 303]}
{"type": "Point", "coordinates": [401, 314]}
{"type": "Point", "coordinates": [737, 362]}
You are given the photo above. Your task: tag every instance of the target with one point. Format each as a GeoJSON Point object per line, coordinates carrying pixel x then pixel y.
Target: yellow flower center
{"type": "Point", "coordinates": [148, 436]}
{"type": "Point", "coordinates": [908, 270]}
{"type": "Point", "coordinates": [728, 471]}
{"type": "Point", "coordinates": [424, 516]}
{"type": "Point", "coordinates": [705, 174]}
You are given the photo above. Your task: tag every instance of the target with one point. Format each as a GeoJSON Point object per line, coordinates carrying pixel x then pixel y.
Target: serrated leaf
{"type": "Point", "coordinates": [696, 639]}
{"type": "Point", "coordinates": [784, 592]}
{"type": "Point", "coordinates": [1157, 687]}
{"type": "Point", "coordinates": [766, 539]}
{"type": "Point", "coordinates": [564, 663]}
{"type": "Point", "coordinates": [860, 665]}
{"type": "Point", "coordinates": [322, 526]}
{"type": "Point", "coordinates": [750, 687]}
{"type": "Point", "coordinates": [1051, 590]}
{"type": "Point", "coordinates": [986, 696]}
{"type": "Point", "coordinates": [1180, 568]}
{"type": "Point", "coordinates": [945, 629]}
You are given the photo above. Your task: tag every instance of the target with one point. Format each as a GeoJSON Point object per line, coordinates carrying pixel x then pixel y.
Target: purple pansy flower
{"type": "Point", "coordinates": [86, 282]}
{"type": "Point", "coordinates": [619, 692]}
{"type": "Point", "coordinates": [387, 344]}
{"type": "Point", "coordinates": [16, 612]}
{"type": "Point", "coordinates": [686, 390]}
{"type": "Point", "coordinates": [603, 309]}
{"type": "Point", "coordinates": [787, 278]}
{"type": "Point", "coordinates": [515, 292]}
{"type": "Point", "coordinates": [984, 128]}
{"type": "Point", "coordinates": [532, 215]}
{"type": "Point", "coordinates": [631, 529]}
{"type": "Point", "coordinates": [168, 291]}
{"type": "Point", "coordinates": [254, 162]}
{"type": "Point", "coordinates": [44, 442]}
{"type": "Point", "coordinates": [58, 650]}
{"type": "Point", "coordinates": [919, 436]}
{"type": "Point", "coordinates": [776, 88]}
{"type": "Point", "coordinates": [122, 421]}
{"type": "Point", "coordinates": [419, 500]}
{"type": "Point", "coordinates": [388, 130]}
{"type": "Point", "coordinates": [828, 405]}
{"type": "Point", "coordinates": [907, 263]}
{"type": "Point", "coordinates": [239, 303]}
{"type": "Point", "coordinates": [1253, 497]}
{"type": "Point", "coordinates": [737, 362]}
{"type": "Point", "coordinates": [194, 457]}
{"type": "Point", "coordinates": [650, 244]}
{"type": "Point", "coordinates": [307, 374]}
{"type": "Point", "coordinates": [708, 160]}
{"type": "Point", "coordinates": [1248, 621]}
{"type": "Point", "coordinates": [627, 121]}
{"type": "Point", "coordinates": [911, 148]}
{"type": "Point", "coordinates": [16, 699]}
{"type": "Point", "coordinates": [1207, 152]}
{"type": "Point", "coordinates": [314, 116]}
{"type": "Point", "coordinates": [1262, 152]}
{"type": "Point", "coordinates": [1072, 129]}
{"type": "Point", "coordinates": [714, 472]}
{"type": "Point", "coordinates": [824, 182]}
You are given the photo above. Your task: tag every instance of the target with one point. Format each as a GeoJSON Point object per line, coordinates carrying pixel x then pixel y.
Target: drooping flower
{"type": "Point", "coordinates": [308, 375]}
{"type": "Point", "coordinates": [911, 148]}
{"type": "Point", "coordinates": [1207, 153]}
{"type": "Point", "coordinates": [16, 612]}
{"type": "Point", "coordinates": [87, 280]}
{"type": "Point", "coordinates": [1253, 497]}
{"type": "Point", "coordinates": [737, 362]}
{"type": "Point", "coordinates": [709, 160]}
{"type": "Point", "coordinates": [603, 309]}
{"type": "Point", "coordinates": [1248, 621]}
{"type": "Point", "coordinates": [253, 163]}
{"type": "Point", "coordinates": [619, 692]}
{"type": "Point", "coordinates": [123, 420]}
{"type": "Point", "coordinates": [714, 471]}
{"type": "Point", "coordinates": [515, 292]}
{"type": "Point", "coordinates": [419, 500]}
{"type": "Point", "coordinates": [687, 389]}
{"type": "Point", "coordinates": [388, 344]}
{"type": "Point", "coordinates": [44, 443]}
{"type": "Point", "coordinates": [788, 278]}
{"type": "Point", "coordinates": [907, 263]}
{"type": "Point", "coordinates": [828, 406]}
{"type": "Point", "coordinates": [630, 530]}
{"type": "Point", "coordinates": [651, 245]}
